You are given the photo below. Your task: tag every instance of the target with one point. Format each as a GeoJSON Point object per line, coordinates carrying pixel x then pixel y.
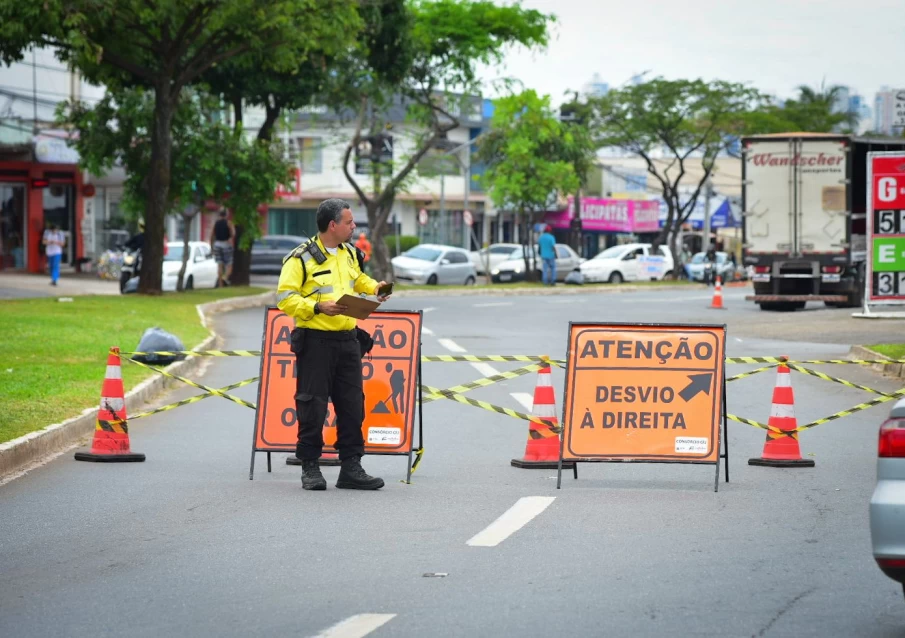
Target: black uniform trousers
{"type": "Point", "coordinates": [328, 366]}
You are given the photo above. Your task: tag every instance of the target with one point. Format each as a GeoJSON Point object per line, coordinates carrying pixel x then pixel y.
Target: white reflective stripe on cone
{"type": "Point", "coordinates": [544, 410]}
{"type": "Point", "coordinates": [112, 404]}
{"type": "Point", "coordinates": [114, 372]}
{"type": "Point", "coordinates": [783, 380]}
{"type": "Point", "coordinates": [779, 409]}
{"type": "Point", "coordinates": [545, 379]}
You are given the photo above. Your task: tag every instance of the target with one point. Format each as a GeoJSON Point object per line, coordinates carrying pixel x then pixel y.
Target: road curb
{"type": "Point", "coordinates": [558, 289]}
{"type": "Point", "coordinates": [894, 370]}
{"type": "Point", "coordinates": [36, 448]}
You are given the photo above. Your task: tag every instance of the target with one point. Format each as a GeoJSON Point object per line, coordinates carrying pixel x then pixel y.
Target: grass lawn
{"type": "Point", "coordinates": [891, 350]}
{"type": "Point", "coordinates": [53, 354]}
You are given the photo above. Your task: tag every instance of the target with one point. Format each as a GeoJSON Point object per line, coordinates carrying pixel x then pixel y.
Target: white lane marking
{"type": "Point", "coordinates": [428, 309]}
{"type": "Point", "coordinates": [526, 399]}
{"type": "Point", "coordinates": [568, 301]}
{"type": "Point", "coordinates": [485, 368]}
{"type": "Point", "coordinates": [427, 331]}
{"type": "Point", "coordinates": [356, 626]}
{"type": "Point", "coordinates": [511, 521]}
{"type": "Point", "coordinates": [493, 304]}
{"type": "Point", "coordinates": [451, 345]}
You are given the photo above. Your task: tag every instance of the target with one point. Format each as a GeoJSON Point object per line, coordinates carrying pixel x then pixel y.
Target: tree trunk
{"type": "Point", "coordinates": [678, 266]}
{"type": "Point", "coordinates": [158, 190]}
{"type": "Point", "coordinates": [381, 268]}
{"type": "Point", "coordinates": [241, 262]}
{"type": "Point", "coordinates": [186, 251]}
{"type": "Point", "coordinates": [272, 113]}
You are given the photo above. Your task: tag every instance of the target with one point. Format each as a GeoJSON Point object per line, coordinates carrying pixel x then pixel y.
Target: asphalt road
{"type": "Point", "coordinates": [185, 544]}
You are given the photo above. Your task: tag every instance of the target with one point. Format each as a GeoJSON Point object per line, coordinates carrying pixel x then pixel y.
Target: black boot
{"type": "Point", "coordinates": [352, 476]}
{"type": "Point", "coordinates": [312, 479]}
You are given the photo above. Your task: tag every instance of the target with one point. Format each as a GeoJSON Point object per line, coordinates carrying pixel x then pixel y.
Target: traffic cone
{"type": "Point", "coordinates": [717, 302]}
{"type": "Point", "coordinates": [542, 448]}
{"type": "Point", "coordinates": [781, 450]}
{"type": "Point", "coordinates": [111, 434]}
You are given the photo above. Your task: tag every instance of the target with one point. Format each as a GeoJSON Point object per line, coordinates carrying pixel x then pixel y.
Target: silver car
{"type": "Point", "coordinates": [887, 505]}
{"type": "Point", "coordinates": [433, 264]}
{"type": "Point", "coordinates": [513, 268]}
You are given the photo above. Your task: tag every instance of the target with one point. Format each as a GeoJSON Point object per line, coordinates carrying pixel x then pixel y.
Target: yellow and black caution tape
{"type": "Point", "coordinates": [811, 361]}
{"type": "Point", "coordinates": [750, 373]}
{"type": "Point", "coordinates": [495, 408]}
{"type": "Point", "coordinates": [484, 357]}
{"type": "Point", "coordinates": [212, 391]}
{"type": "Point", "coordinates": [418, 454]}
{"type": "Point", "coordinates": [482, 383]}
{"type": "Point", "coordinates": [826, 377]}
{"type": "Point", "coordinates": [120, 426]}
{"type": "Point", "coordinates": [197, 353]}
{"type": "Point", "coordinates": [858, 408]}
{"type": "Point", "coordinates": [194, 399]}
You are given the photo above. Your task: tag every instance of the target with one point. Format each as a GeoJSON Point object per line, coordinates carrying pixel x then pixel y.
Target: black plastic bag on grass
{"type": "Point", "coordinates": [159, 340]}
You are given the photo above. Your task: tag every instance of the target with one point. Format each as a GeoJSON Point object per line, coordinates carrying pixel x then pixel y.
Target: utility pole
{"type": "Point", "coordinates": [34, 88]}
{"type": "Point", "coordinates": [708, 194]}
{"type": "Point", "coordinates": [468, 230]}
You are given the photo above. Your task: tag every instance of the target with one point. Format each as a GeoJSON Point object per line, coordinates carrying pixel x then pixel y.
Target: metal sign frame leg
{"type": "Point", "coordinates": [725, 437]}
{"type": "Point", "coordinates": [408, 473]}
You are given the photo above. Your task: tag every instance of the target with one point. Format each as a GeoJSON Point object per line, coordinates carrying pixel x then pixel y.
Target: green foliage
{"type": "Point", "coordinates": [530, 155]}
{"type": "Point", "coordinates": [165, 46]}
{"type": "Point", "coordinates": [406, 242]}
{"type": "Point", "coordinates": [210, 160]}
{"type": "Point", "coordinates": [811, 112]}
{"type": "Point", "coordinates": [447, 42]}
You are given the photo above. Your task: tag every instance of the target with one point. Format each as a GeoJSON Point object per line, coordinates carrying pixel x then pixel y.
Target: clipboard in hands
{"type": "Point", "coordinates": [357, 307]}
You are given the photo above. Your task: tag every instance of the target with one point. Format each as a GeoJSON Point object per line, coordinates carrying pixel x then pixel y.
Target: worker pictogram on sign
{"type": "Point", "coordinates": [644, 392]}
{"type": "Point", "coordinates": [391, 375]}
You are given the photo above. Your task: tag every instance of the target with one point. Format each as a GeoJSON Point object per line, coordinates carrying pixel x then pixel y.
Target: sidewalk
{"type": "Point", "coordinates": [20, 286]}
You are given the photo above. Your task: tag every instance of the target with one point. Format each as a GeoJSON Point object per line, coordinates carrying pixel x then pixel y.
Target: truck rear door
{"type": "Point", "coordinates": [769, 196]}
{"type": "Point", "coordinates": [821, 192]}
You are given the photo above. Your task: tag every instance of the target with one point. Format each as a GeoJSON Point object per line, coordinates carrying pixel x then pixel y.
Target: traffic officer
{"type": "Point", "coordinates": [326, 345]}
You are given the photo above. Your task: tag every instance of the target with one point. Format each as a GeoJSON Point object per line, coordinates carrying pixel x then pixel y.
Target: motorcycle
{"type": "Point", "coordinates": [131, 268]}
{"type": "Point", "coordinates": [709, 277]}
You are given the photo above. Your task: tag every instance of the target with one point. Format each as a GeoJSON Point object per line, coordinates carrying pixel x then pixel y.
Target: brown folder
{"type": "Point", "coordinates": [358, 307]}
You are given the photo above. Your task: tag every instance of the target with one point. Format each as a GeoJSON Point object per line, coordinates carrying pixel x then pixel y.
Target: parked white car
{"type": "Point", "coordinates": [513, 269]}
{"type": "Point", "coordinates": [628, 262]}
{"type": "Point", "coordinates": [200, 271]}
{"type": "Point", "coordinates": [433, 264]}
{"type": "Point", "coordinates": [496, 253]}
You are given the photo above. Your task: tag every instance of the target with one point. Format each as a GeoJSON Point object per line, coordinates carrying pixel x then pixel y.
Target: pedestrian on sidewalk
{"type": "Point", "coordinates": [53, 241]}
{"type": "Point", "coordinates": [328, 345]}
{"type": "Point", "coordinates": [364, 246]}
{"type": "Point", "coordinates": [546, 248]}
{"type": "Point", "coordinates": [222, 235]}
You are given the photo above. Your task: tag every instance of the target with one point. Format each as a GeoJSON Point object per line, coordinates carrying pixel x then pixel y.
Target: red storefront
{"type": "Point", "coordinates": [39, 184]}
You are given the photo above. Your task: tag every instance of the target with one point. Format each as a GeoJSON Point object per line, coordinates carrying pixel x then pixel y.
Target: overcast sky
{"type": "Point", "coordinates": [775, 45]}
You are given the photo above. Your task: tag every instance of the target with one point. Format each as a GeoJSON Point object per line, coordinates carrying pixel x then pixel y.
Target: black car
{"type": "Point", "coordinates": [267, 252]}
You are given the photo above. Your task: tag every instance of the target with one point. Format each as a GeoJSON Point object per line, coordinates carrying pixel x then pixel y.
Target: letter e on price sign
{"type": "Point", "coordinates": [644, 393]}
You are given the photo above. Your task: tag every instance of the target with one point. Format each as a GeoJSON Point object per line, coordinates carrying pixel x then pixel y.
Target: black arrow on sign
{"type": "Point", "coordinates": [699, 383]}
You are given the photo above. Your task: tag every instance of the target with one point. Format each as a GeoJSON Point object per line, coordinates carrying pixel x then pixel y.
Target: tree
{"type": "Point", "coordinates": [814, 111]}
{"type": "Point", "coordinates": [531, 160]}
{"type": "Point", "coordinates": [210, 161]}
{"type": "Point", "coordinates": [320, 75]}
{"type": "Point", "coordinates": [448, 41]}
{"type": "Point", "coordinates": [165, 46]}
{"type": "Point", "coordinates": [687, 120]}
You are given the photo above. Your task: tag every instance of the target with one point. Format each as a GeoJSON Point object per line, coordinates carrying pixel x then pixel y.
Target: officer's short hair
{"type": "Point", "coordinates": [330, 210]}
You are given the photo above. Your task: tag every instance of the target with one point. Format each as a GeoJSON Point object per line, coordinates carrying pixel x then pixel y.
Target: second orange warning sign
{"type": "Point", "coordinates": [642, 392]}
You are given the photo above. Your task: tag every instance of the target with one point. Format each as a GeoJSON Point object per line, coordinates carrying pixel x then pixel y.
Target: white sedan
{"type": "Point", "coordinates": [628, 262]}
{"type": "Point", "coordinates": [200, 270]}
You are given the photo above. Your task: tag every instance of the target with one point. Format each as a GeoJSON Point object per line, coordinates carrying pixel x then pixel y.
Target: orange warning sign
{"type": "Point", "coordinates": [390, 377]}
{"type": "Point", "coordinates": [643, 392]}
